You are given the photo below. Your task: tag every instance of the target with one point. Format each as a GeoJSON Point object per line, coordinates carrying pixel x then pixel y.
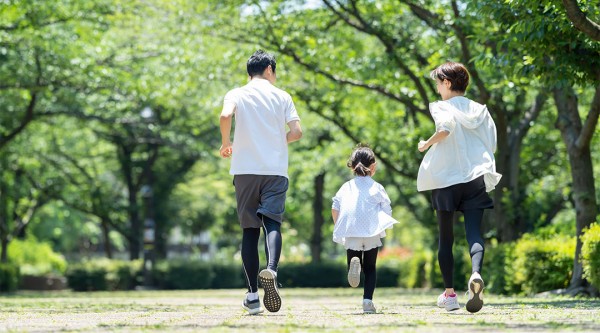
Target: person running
{"type": "Point", "coordinates": [459, 169]}
{"type": "Point", "coordinates": [361, 213]}
{"type": "Point", "coordinates": [259, 165]}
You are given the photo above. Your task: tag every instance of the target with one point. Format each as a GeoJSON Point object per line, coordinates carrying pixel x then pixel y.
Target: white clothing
{"type": "Point", "coordinates": [260, 144]}
{"type": "Point", "coordinates": [362, 243]}
{"type": "Point", "coordinates": [466, 153]}
{"type": "Point", "coordinates": [364, 210]}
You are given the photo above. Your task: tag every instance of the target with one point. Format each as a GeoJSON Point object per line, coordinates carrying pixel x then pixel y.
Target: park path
{"type": "Point", "coordinates": [304, 310]}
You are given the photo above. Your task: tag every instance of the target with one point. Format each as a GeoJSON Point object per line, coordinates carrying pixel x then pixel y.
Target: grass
{"type": "Point", "coordinates": [304, 310]}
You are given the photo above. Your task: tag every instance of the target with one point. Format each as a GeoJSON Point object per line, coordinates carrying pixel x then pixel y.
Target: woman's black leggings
{"type": "Point", "coordinates": [250, 236]}
{"type": "Point", "coordinates": [476, 249]}
{"type": "Point", "coordinates": [368, 261]}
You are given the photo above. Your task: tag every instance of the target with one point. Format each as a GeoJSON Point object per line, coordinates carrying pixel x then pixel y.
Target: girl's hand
{"type": "Point", "coordinates": [422, 145]}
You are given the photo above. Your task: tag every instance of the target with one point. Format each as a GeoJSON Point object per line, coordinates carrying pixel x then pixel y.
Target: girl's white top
{"type": "Point", "coordinates": [364, 210]}
{"type": "Point", "coordinates": [464, 155]}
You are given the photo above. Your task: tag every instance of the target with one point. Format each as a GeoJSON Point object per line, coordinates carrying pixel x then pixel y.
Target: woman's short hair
{"type": "Point", "coordinates": [455, 72]}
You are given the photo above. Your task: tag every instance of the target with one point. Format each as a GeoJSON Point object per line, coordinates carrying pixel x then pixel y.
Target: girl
{"type": "Point", "coordinates": [459, 169]}
{"type": "Point", "coordinates": [361, 212]}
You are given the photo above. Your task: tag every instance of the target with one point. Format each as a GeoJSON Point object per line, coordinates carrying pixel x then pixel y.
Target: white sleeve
{"type": "Point", "coordinates": [444, 121]}
{"type": "Point", "coordinates": [290, 113]}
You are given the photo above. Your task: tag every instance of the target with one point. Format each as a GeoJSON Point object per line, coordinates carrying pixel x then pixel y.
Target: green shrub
{"type": "Point", "coordinates": [228, 276]}
{"type": "Point", "coordinates": [9, 277]}
{"type": "Point", "coordinates": [183, 274]}
{"type": "Point", "coordinates": [494, 267]}
{"type": "Point", "coordinates": [537, 264]}
{"type": "Point", "coordinates": [36, 258]}
{"type": "Point", "coordinates": [321, 275]}
{"type": "Point", "coordinates": [104, 274]}
{"type": "Point", "coordinates": [590, 254]}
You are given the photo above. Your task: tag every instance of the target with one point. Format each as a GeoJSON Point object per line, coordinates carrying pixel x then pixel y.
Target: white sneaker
{"type": "Point", "coordinates": [475, 290]}
{"type": "Point", "coordinates": [449, 303]}
{"type": "Point", "coordinates": [368, 306]}
{"type": "Point", "coordinates": [354, 272]}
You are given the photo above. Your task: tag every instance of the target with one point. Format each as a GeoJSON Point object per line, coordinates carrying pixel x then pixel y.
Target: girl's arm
{"type": "Point", "coordinates": [435, 138]}
{"type": "Point", "coordinates": [334, 214]}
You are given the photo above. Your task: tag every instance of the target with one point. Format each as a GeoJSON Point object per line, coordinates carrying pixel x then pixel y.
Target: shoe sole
{"type": "Point", "coordinates": [271, 300]}
{"type": "Point", "coordinates": [354, 272]}
{"type": "Point", "coordinates": [475, 303]}
{"type": "Point", "coordinates": [252, 311]}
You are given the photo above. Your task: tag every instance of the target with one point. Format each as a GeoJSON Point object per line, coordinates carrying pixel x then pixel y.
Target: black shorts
{"type": "Point", "coordinates": [259, 195]}
{"type": "Point", "coordinates": [461, 197]}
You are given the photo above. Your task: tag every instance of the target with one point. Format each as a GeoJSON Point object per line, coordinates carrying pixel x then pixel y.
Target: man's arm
{"type": "Point", "coordinates": [295, 132]}
{"type": "Point", "coordinates": [335, 214]}
{"type": "Point", "coordinates": [225, 123]}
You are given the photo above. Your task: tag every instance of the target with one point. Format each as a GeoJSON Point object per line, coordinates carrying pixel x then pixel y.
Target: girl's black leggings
{"type": "Point", "coordinates": [250, 261]}
{"type": "Point", "coordinates": [476, 249]}
{"type": "Point", "coordinates": [368, 260]}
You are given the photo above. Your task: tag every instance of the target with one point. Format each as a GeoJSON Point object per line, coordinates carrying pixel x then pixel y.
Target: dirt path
{"type": "Point", "coordinates": [304, 310]}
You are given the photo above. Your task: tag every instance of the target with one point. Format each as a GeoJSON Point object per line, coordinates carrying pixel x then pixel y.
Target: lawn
{"type": "Point", "coordinates": [303, 310]}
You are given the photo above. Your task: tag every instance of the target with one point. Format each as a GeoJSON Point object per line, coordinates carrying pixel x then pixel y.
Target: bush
{"type": "Point", "coordinates": [228, 276]}
{"type": "Point", "coordinates": [183, 274]}
{"type": "Point", "coordinates": [590, 254]}
{"type": "Point", "coordinates": [494, 267]}
{"type": "Point", "coordinates": [36, 258]}
{"type": "Point", "coordinates": [9, 277]}
{"type": "Point", "coordinates": [538, 264]}
{"type": "Point", "coordinates": [321, 275]}
{"type": "Point", "coordinates": [104, 274]}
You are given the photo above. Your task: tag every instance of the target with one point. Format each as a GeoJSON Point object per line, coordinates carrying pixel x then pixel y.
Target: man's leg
{"type": "Point", "coordinates": [250, 259]}
{"type": "Point", "coordinates": [273, 241]}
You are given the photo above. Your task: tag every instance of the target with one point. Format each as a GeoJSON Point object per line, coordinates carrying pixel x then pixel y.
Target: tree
{"type": "Point", "coordinates": [546, 45]}
{"type": "Point", "coordinates": [580, 20]}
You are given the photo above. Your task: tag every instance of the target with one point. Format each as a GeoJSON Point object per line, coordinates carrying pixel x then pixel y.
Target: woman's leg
{"type": "Point", "coordinates": [445, 257]}
{"type": "Point", "coordinates": [369, 268]}
{"type": "Point", "coordinates": [473, 230]}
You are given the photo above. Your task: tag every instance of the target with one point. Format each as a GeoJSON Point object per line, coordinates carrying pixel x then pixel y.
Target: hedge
{"type": "Point", "coordinates": [9, 277]}
{"type": "Point", "coordinates": [590, 254]}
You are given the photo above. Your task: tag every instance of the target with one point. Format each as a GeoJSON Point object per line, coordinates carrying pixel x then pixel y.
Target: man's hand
{"type": "Point", "coordinates": [226, 150]}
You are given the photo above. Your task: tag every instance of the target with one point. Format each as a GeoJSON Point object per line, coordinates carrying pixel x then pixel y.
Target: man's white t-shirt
{"type": "Point", "coordinates": [261, 115]}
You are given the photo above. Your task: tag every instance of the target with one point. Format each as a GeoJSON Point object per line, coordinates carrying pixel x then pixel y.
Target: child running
{"type": "Point", "coordinates": [361, 212]}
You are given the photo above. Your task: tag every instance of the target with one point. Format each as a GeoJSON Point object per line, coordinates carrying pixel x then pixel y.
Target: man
{"type": "Point", "coordinates": [259, 163]}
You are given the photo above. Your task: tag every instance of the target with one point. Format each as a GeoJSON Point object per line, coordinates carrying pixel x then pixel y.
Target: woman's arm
{"type": "Point", "coordinates": [435, 138]}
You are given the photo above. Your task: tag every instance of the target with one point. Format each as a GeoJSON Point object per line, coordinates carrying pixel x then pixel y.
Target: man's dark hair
{"type": "Point", "coordinates": [455, 72]}
{"type": "Point", "coordinates": [259, 61]}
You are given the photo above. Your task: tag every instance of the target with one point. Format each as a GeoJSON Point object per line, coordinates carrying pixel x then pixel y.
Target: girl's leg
{"type": "Point", "coordinates": [369, 267]}
{"type": "Point", "coordinates": [473, 230]}
{"type": "Point", "coordinates": [272, 230]}
{"type": "Point", "coordinates": [351, 254]}
{"type": "Point", "coordinates": [445, 258]}
{"type": "Point", "coordinates": [250, 259]}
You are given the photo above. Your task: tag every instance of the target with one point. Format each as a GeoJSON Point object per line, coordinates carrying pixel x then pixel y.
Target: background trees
{"type": "Point", "coordinates": [109, 115]}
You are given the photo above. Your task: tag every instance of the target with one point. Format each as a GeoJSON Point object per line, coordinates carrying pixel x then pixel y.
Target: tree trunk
{"type": "Point", "coordinates": [104, 224]}
{"type": "Point", "coordinates": [316, 242]}
{"type": "Point", "coordinates": [580, 160]}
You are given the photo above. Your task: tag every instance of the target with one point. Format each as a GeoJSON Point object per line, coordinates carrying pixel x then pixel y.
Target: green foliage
{"type": "Point", "coordinates": [36, 258]}
{"type": "Point", "coordinates": [495, 267]}
{"type": "Point", "coordinates": [183, 274]}
{"type": "Point", "coordinates": [590, 254]}
{"type": "Point", "coordinates": [9, 277]}
{"type": "Point", "coordinates": [537, 264]}
{"type": "Point", "coordinates": [104, 274]}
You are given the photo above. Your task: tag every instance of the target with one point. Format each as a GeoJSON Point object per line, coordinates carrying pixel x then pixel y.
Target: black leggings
{"type": "Point", "coordinates": [476, 249]}
{"type": "Point", "coordinates": [250, 236]}
{"type": "Point", "coordinates": [368, 260]}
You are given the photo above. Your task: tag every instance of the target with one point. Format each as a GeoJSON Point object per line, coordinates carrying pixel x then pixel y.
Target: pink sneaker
{"type": "Point", "coordinates": [450, 303]}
